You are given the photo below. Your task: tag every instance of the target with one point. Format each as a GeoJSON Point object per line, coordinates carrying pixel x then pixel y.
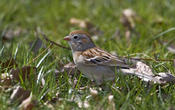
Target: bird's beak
{"type": "Point", "coordinates": [67, 38]}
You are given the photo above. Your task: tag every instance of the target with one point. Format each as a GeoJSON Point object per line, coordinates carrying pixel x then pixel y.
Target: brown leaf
{"type": "Point", "coordinates": [50, 106]}
{"type": "Point", "coordinates": [145, 73]}
{"type": "Point", "coordinates": [86, 24]}
{"type": "Point", "coordinates": [166, 77]}
{"type": "Point", "coordinates": [170, 46]}
{"type": "Point", "coordinates": [28, 104]}
{"type": "Point", "coordinates": [19, 94]}
{"type": "Point", "coordinates": [9, 34]}
{"type": "Point", "coordinates": [128, 35]}
{"type": "Point", "coordinates": [128, 19]}
{"type": "Point", "coordinates": [79, 22]}
{"type": "Point", "coordinates": [171, 49]}
{"type": "Point", "coordinates": [9, 64]}
{"type": "Point", "coordinates": [111, 103]}
{"type": "Point", "coordinates": [36, 44]}
{"type": "Point", "coordinates": [23, 72]}
{"type": "Point", "coordinates": [171, 107]}
{"type": "Point", "coordinates": [144, 69]}
{"type": "Point", "coordinates": [5, 80]}
{"type": "Point", "coordinates": [93, 92]}
{"type": "Point", "coordinates": [70, 68]}
{"type": "Point", "coordinates": [116, 34]}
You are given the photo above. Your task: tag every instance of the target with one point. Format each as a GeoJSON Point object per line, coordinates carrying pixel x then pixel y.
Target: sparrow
{"type": "Point", "coordinates": [95, 63]}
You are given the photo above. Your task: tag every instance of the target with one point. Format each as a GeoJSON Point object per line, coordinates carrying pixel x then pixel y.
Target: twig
{"type": "Point", "coordinates": [149, 59]}
{"type": "Point", "coordinates": [45, 37]}
{"type": "Point", "coordinates": [39, 54]}
{"type": "Point", "coordinates": [145, 59]}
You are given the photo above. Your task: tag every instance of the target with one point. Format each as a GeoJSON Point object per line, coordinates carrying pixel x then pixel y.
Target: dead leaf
{"type": "Point", "coordinates": [171, 49]}
{"type": "Point", "coordinates": [144, 72]}
{"type": "Point", "coordinates": [165, 77]}
{"type": "Point", "coordinates": [79, 22]}
{"type": "Point", "coordinates": [110, 98]}
{"type": "Point", "coordinates": [128, 19]}
{"type": "Point", "coordinates": [9, 64]}
{"type": "Point", "coordinates": [111, 103]}
{"type": "Point", "coordinates": [128, 35]}
{"type": "Point", "coordinates": [28, 104]}
{"type": "Point", "coordinates": [86, 104]}
{"type": "Point", "coordinates": [83, 104]}
{"type": "Point", "coordinates": [43, 82]}
{"type": "Point", "coordinates": [9, 34]}
{"type": "Point", "coordinates": [5, 80]}
{"type": "Point", "coordinates": [50, 106]}
{"type": "Point", "coordinates": [80, 104]}
{"type": "Point", "coordinates": [144, 69]}
{"type": "Point", "coordinates": [93, 92]}
{"type": "Point", "coordinates": [36, 45]}
{"type": "Point", "coordinates": [171, 107]}
{"type": "Point", "coordinates": [116, 34]}
{"type": "Point", "coordinates": [86, 24]}
{"type": "Point", "coordinates": [19, 94]}
{"type": "Point", "coordinates": [170, 46]}
{"type": "Point", "coordinates": [23, 73]}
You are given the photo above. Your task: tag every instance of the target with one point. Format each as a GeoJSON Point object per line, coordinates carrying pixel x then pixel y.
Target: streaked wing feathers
{"type": "Point", "coordinates": [96, 56]}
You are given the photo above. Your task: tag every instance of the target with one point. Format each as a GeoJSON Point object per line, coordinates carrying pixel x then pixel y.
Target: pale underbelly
{"type": "Point", "coordinates": [99, 74]}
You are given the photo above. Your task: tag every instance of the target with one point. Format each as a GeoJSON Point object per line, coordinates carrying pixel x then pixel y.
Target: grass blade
{"type": "Point", "coordinates": [1, 50]}
{"type": "Point", "coordinates": [162, 33]}
{"type": "Point", "coordinates": [43, 59]}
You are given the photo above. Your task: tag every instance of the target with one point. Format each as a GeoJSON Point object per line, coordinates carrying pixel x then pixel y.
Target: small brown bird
{"type": "Point", "coordinates": [93, 62]}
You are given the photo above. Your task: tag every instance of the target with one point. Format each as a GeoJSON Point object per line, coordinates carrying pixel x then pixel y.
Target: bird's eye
{"type": "Point", "coordinates": [75, 37]}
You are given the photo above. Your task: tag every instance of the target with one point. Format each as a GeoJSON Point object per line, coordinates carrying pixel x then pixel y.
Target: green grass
{"type": "Point", "coordinates": [53, 19]}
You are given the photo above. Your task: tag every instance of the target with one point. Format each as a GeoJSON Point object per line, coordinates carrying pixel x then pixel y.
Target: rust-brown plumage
{"type": "Point", "coordinates": [80, 32]}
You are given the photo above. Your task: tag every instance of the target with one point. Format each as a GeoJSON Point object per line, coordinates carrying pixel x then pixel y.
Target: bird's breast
{"type": "Point", "coordinates": [78, 58]}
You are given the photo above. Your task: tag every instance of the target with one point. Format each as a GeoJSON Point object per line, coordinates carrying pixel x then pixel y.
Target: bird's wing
{"type": "Point", "coordinates": [96, 56]}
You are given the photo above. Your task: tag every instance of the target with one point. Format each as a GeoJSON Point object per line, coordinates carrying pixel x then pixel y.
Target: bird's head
{"type": "Point", "coordinates": [79, 40]}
